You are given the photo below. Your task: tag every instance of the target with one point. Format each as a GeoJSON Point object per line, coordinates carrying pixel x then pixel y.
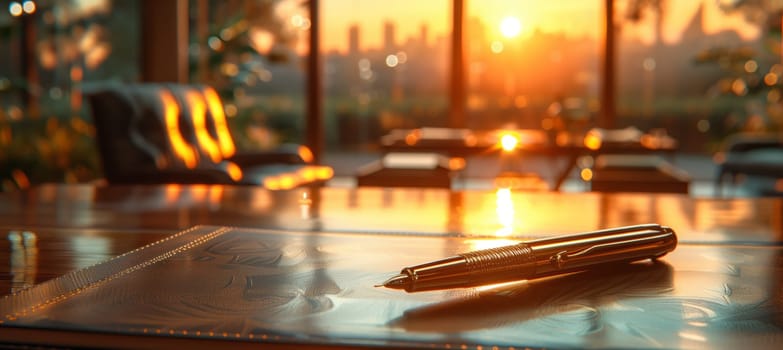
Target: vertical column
{"type": "Point", "coordinates": [457, 81]}
{"type": "Point", "coordinates": [164, 41]}
{"type": "Point", "coordinates": [202, 32]}
{"type": "Point", "coordinates": [314, 126]}
{"type": "Point", "coordinates": [29, 63]}
{"type": "Point", "coordinates": [606, 119]}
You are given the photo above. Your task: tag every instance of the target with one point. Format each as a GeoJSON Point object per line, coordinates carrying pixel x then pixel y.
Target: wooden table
{"type": "Point", "coordinates": [729, 255]}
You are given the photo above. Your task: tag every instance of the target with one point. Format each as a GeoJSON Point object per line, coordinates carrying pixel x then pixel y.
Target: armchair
{"type": "Point", "coordinates": [171, 133]}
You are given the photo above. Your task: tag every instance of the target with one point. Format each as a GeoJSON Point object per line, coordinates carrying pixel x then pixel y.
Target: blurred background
{"type": "Point", "coordinates": [699, 70]}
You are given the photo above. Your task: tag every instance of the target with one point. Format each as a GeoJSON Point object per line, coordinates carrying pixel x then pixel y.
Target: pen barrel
{"type": "Point", "coordinates": [601, 248]}
{"type": "Point", "coordinates": [483, 266]}
{"type": "Point", "coordinates": [544, 257]}
{"type": "Point", "coordinates": [500, 264]}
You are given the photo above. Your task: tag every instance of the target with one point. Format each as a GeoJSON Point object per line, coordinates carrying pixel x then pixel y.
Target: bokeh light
{"type": "Point", "coordinates": [29, 7]}
{"type": "Point", "coordinates": [15, 9]}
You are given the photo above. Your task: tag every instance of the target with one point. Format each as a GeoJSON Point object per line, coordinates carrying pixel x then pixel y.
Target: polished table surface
{"type": "Point", "coordinates": [729, 260]}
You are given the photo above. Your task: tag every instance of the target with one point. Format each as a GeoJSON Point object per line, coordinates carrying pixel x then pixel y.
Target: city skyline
{"type": "Point", "coordinates": [585, 20]}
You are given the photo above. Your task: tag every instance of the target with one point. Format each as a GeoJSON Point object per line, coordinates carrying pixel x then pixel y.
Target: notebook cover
{"type": "Point", "coordinates": [210, 286]}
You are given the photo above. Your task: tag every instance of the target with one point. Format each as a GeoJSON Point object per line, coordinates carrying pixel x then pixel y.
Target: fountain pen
{"type": "Point", "coordinates": [539, 258]}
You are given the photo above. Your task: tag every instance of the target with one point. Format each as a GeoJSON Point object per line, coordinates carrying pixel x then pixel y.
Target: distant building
{"type": "Point", "coordinates": [353, 40]}
{"type": "Point", "coordinates": [423, 32]}
{"type": "Point", "coordinates": [389, 44]}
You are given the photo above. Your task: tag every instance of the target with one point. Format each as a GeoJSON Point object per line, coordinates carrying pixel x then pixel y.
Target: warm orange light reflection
{"type": "Point", "coordinates": [172, 193]}
{"type": "Point", "coordinates": [304, 205]}
{"type": "Point", "coordinates": [505, 212]}
{"type": "Point", "coordinates": [509, 141]}
{"type": "Point", "coordinates": [586, 174]}
{"type": "Point", "coordinates": [234, 171]}
{"type": "Point", "coordinates": [219, 118]}
{"type": "Point", "coordinates": [563, 138]}
{"type": "Point", "coordinates": [271, 183]}
{"type": "Point", "coordinates": [479, 244]}
{"type": "Point", "coordinates": [471, 140]}
{"type": "Point", "coordinates": [306, 174]}
{"type": "Point", "coordinates": [171, 114]}
{"type": "Point", "coordinates": [411, 139]}
{"type": "Point", "coordinates": [456, 163]}
{"type": "Point", "coordinates": [650, 141]}
{"type": "Point", "coordinates": [198, 113]}
{"type": "Point", "coordinates": [215, 194]}
{"type": "Point", "coordinates": [97, 55]}
{"type": "Point", "coordinates": [306, 154]}
{"type": "Point", "coordinates": [593, 140]}
{"type": "Point", "coordinates": [504, 181]}
{"type": "Point", "coordinates": [281, 182]}
{"type": "Point", "coordinates": [324, 173]}
{"type": "Point", "coordinates": [495, 288]}
{"type": "Point", "coordinates": [261, 39]}
{"type": "Point", "coordinates": [287, 181]}
{"type": "Point", "coordinates": [315, 173]}
{"type": "Point", "coordinates": [198, 192]}
{"type": "Point", "coordinates": [20, 178]}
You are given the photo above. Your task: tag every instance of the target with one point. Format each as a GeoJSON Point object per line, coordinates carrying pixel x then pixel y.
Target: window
{"type": "Point", "coordinates": [386, 67]}
{"type": "Point", "coordinates": [533, 64]}
{"type": "Point", "coordinates": [700, 70]}
{"type": "Point", "coordinates": [253, 53]}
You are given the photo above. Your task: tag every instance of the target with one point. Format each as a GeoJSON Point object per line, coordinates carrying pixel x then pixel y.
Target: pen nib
{"type": "Point", "coordinates": [397, 282]}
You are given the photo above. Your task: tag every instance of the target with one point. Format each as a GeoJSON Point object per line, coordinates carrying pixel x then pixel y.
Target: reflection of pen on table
{"type": "Point", "coordinates": [539, 258]}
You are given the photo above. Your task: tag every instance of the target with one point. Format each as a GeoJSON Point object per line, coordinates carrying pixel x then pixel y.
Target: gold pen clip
{"type": "Point", "coordinates": [560, 259]}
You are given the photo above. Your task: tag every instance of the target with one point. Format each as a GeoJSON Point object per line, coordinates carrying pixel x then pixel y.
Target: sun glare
{"type": "Point", "coordinates": [508, 142]}
{"type": "Point", "coordinates": [510, 27]}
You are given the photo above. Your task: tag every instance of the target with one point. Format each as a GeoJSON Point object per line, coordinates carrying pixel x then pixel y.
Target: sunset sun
{"type": "Point", "coordinates": [510, 27]}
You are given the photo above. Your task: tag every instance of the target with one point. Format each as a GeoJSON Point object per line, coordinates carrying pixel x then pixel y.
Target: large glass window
{"type": "Point", "coordinates": [253, 53]}
{"type": "Point", "coordinates": [533, 64]}
{"type": "Point", "coordinates": [385, 67]}
{"type": "Point", "coordinates": [701, 70]}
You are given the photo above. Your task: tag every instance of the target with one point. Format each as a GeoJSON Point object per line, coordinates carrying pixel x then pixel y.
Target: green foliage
{"type": "Point", "coordinates": [34, 151]}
